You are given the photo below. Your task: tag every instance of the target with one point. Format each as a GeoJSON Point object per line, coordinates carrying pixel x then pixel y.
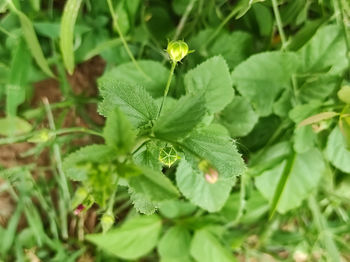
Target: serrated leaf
{"type": "Point", "coordinates": [180, 118]}
{"type": "Point", "coordinates": [70, 14]}
{"type": "Point", "coordinates": [175, 243]}
{"type": "Point", "coordinates": [118, 132]}
{"type": "Point", "coordinates": [213, 144]}
{"type": "Point", "coordinates": [134, 239]}
{"type": "Point", "coordinates": [296, 186]}
{"type": "Point", "coordinates": [200, 192]}
{"type": "Point", "coordinates": [133, 100]}
{"type": "Point", "coordinates": [154, 84]}
{"type": "Point", "coordinates": [238, 117]}
{"type": "Point", "coordinates": [336, 151]}
{"type": "Point", "coordinates": [148, 156]}
{"type": "Point", "coordinates": [262, 77]}
{"type": "Point", "coordinates": [213, 78]}
{"type": "Point", "coordinates": [87, 154]}
{"type": "Point", "coordinates": [205, 247]}
{"type": "Point", "coordinates": [150, 188]}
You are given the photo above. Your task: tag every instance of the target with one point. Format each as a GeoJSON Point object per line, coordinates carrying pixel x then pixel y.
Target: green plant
{"type": "Point", "coordinates": [229, 146]}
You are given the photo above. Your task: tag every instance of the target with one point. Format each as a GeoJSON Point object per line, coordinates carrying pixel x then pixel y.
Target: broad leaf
{"type": "Point", "coordinates": [238, 117]}
{"type": "Point", "coordinates": [154, 83]}
{"type": "Point", "coordinates": [74, 165]}
{"type": "Point", "coordinates": [148, 156]}
{"type": "Point", "coordinates": [194, 187]}
{"type": "Point", "coordinates": [336, 151]}
{"type": "Point", "coordinates": [118, 132]}
{"type": "Point", "coordinates": [213, 78]}
{"type": "Point", "coordinates": [213, 144]}
{"type": "Point", "coordinates": [262, 77]}
{"type": "Point", "coordinates": [133, 100]}
{"type": "Point", "coordinates": [175, 208]}
{"type": "Point", "coordinates": [135, 238]}
{"type": "Point", "coordinates": [301, 175]}
{"type": "Point", "coordinates": [205, 247]}
{"type": "Point", "coordinates": [175, 244]}
{"type": "Point", "coordinates": [325, 51]}
{"type": "Point", "coordinates": [10, 126]}
{"type": "Point", "coordinates": [180, 118]}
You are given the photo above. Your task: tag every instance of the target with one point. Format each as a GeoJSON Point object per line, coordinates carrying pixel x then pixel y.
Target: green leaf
{"type": "Point", "coordinates": [213, 78]}
{"type": "Point", "coordinates": [134, 239]}
{"type": "Point", "coordinates": [118, 132]}
{"type": "Point", "coordinates": [344, 94]}
{"type": "Point", "coordinates": [70, 14]}
{"type": "Point", "coordinates": [15, 89]}
{"type": "Point", "coordinates": [10, 126]}
{"type": "Point", "coordinates": [180, 118]}
{"type": "Point", "coordinates": [326, 51]}
{"type": "Point", "coordinates": [286, 184]}
{"type": "Point", "coordinates": [194, 187]}
{"type": "Point", "coordinates": [175, 208]}
{"type": "Point", "coordinates": [150, 188]}
{"type": "Point", "coordinates": [239, 117]}
{"type": "Point", "coordinates": [74, 163]}
{"type": "Point", "coordinates": [336, 151]}
{"type": "Point", "coordinates": [148, 156]}
{"type": "Point", "coordinates": [304, 139]}
{"type": "Point", "coordinates": [175, 244]}
{"type": "Point", "coordinates": [213, 144]}
{"type": "Point", "coordinates": [262, 77]}
{"type": "Point", "coordinates": [32, 40]}
{"type": "Point", "coordinates": [133, 100]}
{"type": "Point", "coordinates": [154, 84]}
{"type": "Point", "coordinates": [205, 247]}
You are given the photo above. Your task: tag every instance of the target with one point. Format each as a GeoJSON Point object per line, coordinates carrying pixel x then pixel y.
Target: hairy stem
{"type": "Point", "coordinates": [173, 65]}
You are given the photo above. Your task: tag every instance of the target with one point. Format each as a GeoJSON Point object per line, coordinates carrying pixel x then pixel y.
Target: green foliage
{"type": "Point", "coordinates": [135, 238]}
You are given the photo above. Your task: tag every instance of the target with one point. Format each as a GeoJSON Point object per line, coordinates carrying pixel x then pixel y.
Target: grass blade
{"type": "Point", "coordinates": [70, 14]}
{"type": "Point", "coordinates": [32, 40]}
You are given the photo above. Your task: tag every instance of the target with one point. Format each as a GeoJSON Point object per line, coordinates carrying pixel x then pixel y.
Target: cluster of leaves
{"type": "Point", "coordinates": [274, 91]}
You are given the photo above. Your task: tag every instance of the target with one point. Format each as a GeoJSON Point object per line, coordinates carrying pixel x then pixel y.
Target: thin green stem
{"type": "Point", "coordinates": [184, 19]}
{"type": "Point", "coordinates": [120, 33]}
{"type": "Point", "coordinates": [63, 181]}
{"type": "Point", "coordinates": [279, 23]}
{"type": "Point", "coordinates": [65, 131]}
{"type": "Point", "coordinates": [173, 65]}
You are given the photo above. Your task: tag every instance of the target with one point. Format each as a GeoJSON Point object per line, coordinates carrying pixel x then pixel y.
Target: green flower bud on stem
{"type": "Point", "coordinates": [177, 50]}
{"type": "Point", "coordinates": [79, 196]}
{"type": "Point", "coordinates": [107, 221]}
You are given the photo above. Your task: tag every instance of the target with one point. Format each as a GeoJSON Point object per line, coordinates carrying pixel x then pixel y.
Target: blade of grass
{"type": "Point", "coordinates": [281, 184]}
{"type": "Point", "coordinates": [326, 235]}
{"type": "Point", "coordinates": [69, 17]}
{"type": "Point", "coordinates": [31, 39]}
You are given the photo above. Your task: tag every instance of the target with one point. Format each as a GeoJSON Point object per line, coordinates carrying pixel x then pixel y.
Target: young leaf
{"type": "Point", "coordinates": [205, 247]}
{"type": "Point", "coordinates": [133, 100]}
{"type": "Point", "coordinates": [180, 118]}
{"type": "Point", "coordinates": [213, 144]}
{"type": "Point", "coordinates": [70, 14]}
{"type": "Point", "coordinates": [336, 151]}
{"type": "Point", "coordinates": [239, 117]}
{"type": "Point", "coordinates": [134, 239]}
{"type": "Point", "coordinates": [286, 184]}
{"type": "Point", "coordinates": [118, 132]}
{"type": "Point", "coordinates": [262, 77]}
{"type": "Point", "coordinates": [154, 84]}
{"type": "Point", "coordinates": [317, 118]}
{"type": "Point", "coordinates": [148, 156]}
{"type": "Point", "coordinates": [73, 164]}
{"type": "Point", "coordinates": [213, 79]}
{"type": "Point", "coordinates": [344, 94]}
{"type": "Point", "coordinates": [10, 126]}
{"type": "Point", "coordinates": [175, 244]}
{"type": "Point", "coordinates": [32, 40]}
{"type": "Point", "coordinates": [194, 187]}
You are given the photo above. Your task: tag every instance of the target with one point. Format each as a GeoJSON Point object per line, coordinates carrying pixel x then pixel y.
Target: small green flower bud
{"type": "Point", "coordinates": [42, 136]}
{"type": "Point", "coordinates": [107, 221]}
{"type": "Point", "coordinates": [79, 196]}
{"type": "Point", "coordinates": [177, 50]}
{"type": "Point", "coordinates": [168, 155]}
